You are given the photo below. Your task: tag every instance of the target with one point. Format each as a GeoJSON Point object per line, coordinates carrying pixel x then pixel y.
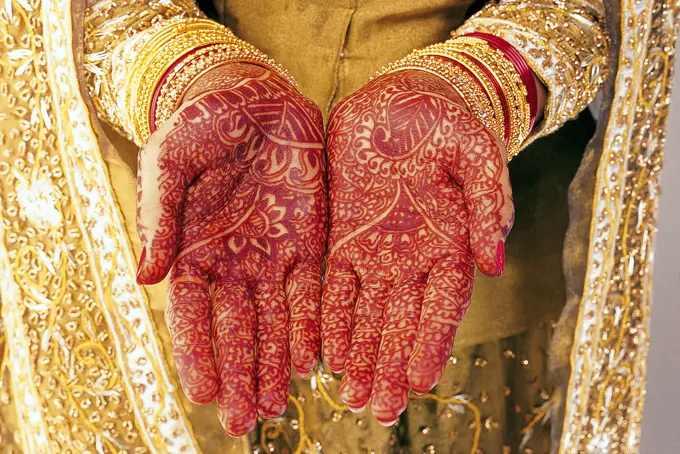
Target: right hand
{"type": "Point", "coordinates": [231, 196]}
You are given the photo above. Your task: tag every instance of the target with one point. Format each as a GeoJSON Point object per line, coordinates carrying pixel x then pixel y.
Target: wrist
{"type": "Point", "coordinates": [219, 77]}
{"type": "Point", "coordinates": [155, 56]}
{"type": "Point", "coordinates": [197, 66]}
{"type": "Point", "coordinates": [497, 84]}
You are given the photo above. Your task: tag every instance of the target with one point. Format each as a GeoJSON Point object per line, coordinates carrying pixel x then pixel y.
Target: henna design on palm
{"type": "Point", "coordinates": [232, 203]}
{"type": "Point", "coordinates": [419, 192]}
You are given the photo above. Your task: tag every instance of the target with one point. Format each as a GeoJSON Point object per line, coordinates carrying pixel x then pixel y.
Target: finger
{"type": "Point", "coordinates": [390, 387]}
{"type": "Point", "coordinates": [273, 355]}
{"type": "Point", "coordinates": [175, 154]}
{"type": "Point", "coordinates": [355, 388]}
{"type": "Point", "coordinates": [160, 193]}
{"type": "Point", "coordinates": [303, 293]}
{"type": "Point", "coordinates": [447, 297]}
{"type": "Point", "coordinates": [187, 316]}
{"type": "Point", "coordinates": [340, 289]}
{"type": "Point", "coordinates": [488, 195]}
{"type": "Point", "coordinates": [233, 329]}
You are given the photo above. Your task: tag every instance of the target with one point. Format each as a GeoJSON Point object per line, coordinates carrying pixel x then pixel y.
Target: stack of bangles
{"type": "Point", "coordinates": [177, 58]}
{"type": "Point", "coordinates": [492, 77]}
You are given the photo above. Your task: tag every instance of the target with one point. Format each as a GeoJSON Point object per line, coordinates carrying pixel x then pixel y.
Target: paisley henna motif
{"type": "Point", "coordinates": [232, 197]}
{"type": "Point", "coordinates": [419, 192]}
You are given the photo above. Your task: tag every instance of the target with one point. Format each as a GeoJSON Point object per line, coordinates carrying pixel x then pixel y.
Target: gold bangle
{"type": "Point", "coordinates": [481, 78]}
{"type": "Point", "coordinates": [476, 99]}
{"type": "Point", "coordinates": [507, 78]}
{"type": "Point", "coordinates": [185, 73]}
{"type": "Point", "coordinates": [173, 46]}
{"type": "Point", "coordinates": [567, 49]}
{"type": "Point", "coordinates": [157, 55]}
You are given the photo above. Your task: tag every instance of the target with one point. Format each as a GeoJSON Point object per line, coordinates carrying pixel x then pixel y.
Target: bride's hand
{"type": "Point", "coordinates": [231, 195]}
{"type": "Point", "coordinates": [419, 193]}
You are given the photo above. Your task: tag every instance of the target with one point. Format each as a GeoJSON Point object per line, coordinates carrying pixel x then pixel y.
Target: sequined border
{"type": "Point", "coordinates": [604, 400]}
{"type": "Point", "coordinates": [63, 242]}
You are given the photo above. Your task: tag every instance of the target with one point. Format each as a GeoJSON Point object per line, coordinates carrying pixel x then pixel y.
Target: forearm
{"type": "Point", "coordinates": [115, 36]}
{"type": "Point", "coordinates": [565, 44]}
{"type": "Point", "coordinates": [141, 57]}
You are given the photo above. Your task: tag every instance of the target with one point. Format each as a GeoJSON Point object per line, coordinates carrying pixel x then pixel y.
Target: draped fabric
{"type": "Point", "coordinates": [86, 363]}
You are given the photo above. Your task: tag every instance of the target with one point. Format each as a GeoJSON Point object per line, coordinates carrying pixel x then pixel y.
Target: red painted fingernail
{"type": "Point", "coordinates": [505, 230]}
{"type": "Point", "coordinates": [142, 258]}
{"type": "Point", "coordinates": [500, 257]}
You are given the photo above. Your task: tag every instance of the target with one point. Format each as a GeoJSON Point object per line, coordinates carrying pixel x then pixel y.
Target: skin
{"type": "Point", "coordinates": [419, 193]}
{"type": "Point", "coordinates": [232, 205]}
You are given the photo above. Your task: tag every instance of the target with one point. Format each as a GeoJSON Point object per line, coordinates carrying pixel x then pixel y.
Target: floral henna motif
{"type": "Point", "coordinates": [232, 196]}
{"type": "Point", "coordinates": [419, 193]}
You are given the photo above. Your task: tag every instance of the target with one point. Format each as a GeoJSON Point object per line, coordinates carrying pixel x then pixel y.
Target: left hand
{"type": "Point", "coordinates": [418, 189]}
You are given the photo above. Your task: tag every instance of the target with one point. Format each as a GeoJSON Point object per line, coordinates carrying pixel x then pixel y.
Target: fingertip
{"type": "Point", "coordinates": [148, 278]}
{"type": "Point", "coordinates": [388, 415]}
{"type": "Point", "coordinates": [302, 373]}
{"type": "Point", "coordinates": [237, 412]}
{"type": "Point", "coordinates": [153, 267]}
{"type": "Point", "coordinates": [203, 394]}
{"type": "Point", "coordinates": [420, 388]}
{"type": "Point", "coordinates": [237, 427]}
{"type": "Point", "coordinates": [270, 406]}
{"type": "Point", "coordinates": [354, 393]}
{"type": "Point", "coordinates": [387, 422]}
{"type": "Point", "coordinates": [422, 382]}
{"type": "Point", "coordinates": [304, 352]}
{"type": "Point", "coordinates": [491, 260]}
{"type": "Point", "coordinates": [336, 369]}
{"type": "Point", "coordinates": [334, 363]}
{"type": "Point", "coordinates": [304, 368]}
{"type": "Point", "coordinates": [333, 358]}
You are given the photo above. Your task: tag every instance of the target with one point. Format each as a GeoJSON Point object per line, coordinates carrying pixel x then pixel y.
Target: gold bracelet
{"type": "Point", "coordinates": [507, 78]}
{"type": "Point", "coordinates": [480, 77]}
{"type": "Point", "coordinates": [567, 49]}
{"type": "Point", "coordinates": [477, 99]}
{"type": "Point", "coordinates": [157, 55]}
{"type": "Point", "coordinates": [162, 52]}
{"type": "Point", "coordinates": [185, 73]}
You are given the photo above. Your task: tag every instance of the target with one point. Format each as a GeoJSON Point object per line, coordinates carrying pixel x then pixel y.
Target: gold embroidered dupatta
{"type": "Point", "coordinates": [82, 360]}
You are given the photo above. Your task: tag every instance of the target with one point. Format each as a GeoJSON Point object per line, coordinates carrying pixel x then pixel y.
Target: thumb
{"type": "Point", "coordinates": [488, 196]}
{"type": "Point", "coordinates": [161, 184]}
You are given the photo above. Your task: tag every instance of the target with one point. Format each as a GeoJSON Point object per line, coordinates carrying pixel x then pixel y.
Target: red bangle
{"type": "Point", "coordinates": [521, 66]}
{"type": "Point", "coordinates": [157, 90]}
{"type": "Point", "coordinates": [496, 86]}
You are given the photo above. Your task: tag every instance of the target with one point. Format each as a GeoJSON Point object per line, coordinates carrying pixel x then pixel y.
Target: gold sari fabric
{"type": "Point", "coordinates": [497, 381]}
{"type": "Point", "coordinates": [332, 49]}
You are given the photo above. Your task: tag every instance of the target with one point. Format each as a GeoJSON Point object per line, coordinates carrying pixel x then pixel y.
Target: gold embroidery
{"type": "Point", "coordinates": [608, 358]}
{"type": "Point", "coordinates": [87, 372]}
{"type": "Point", "coordinates": [563, 42]}
{"type": "Point", "coordinates": [123, 27]}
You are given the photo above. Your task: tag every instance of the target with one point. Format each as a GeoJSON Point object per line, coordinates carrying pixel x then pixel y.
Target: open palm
{"type": "Point", "coordinates": [232, 197]}
{"type": "Point", "coordinates": [419, 191]}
